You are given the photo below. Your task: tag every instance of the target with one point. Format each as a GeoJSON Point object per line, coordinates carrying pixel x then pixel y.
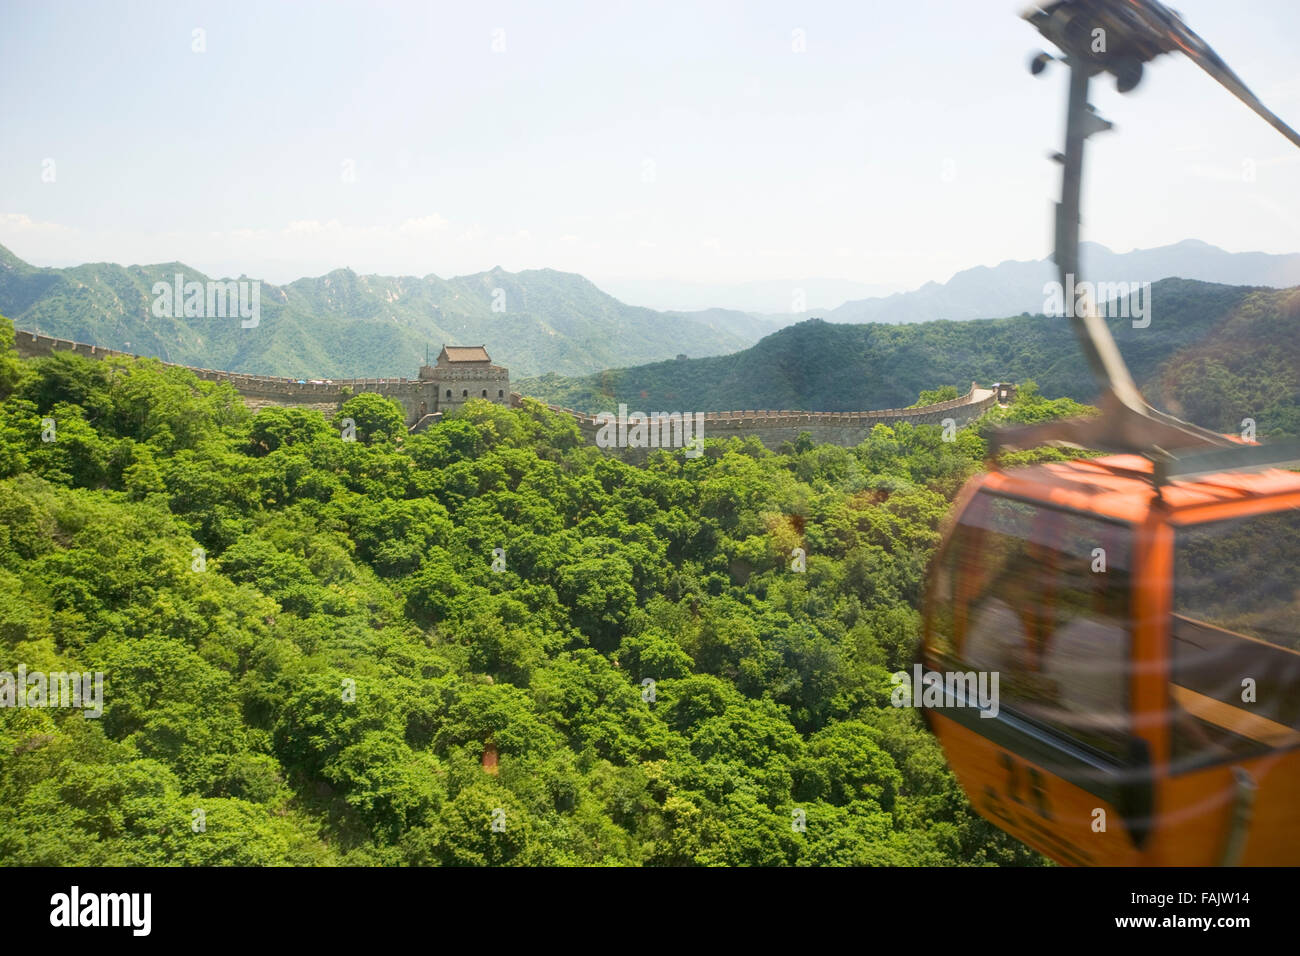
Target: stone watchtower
{"type": "Point", "coordinates": [462, 372]}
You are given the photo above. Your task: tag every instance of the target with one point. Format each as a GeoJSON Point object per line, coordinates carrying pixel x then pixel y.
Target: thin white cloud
{"type": "Point", "coordinates": [426, 225]}
{"type": "Point", "coordinates": [17, 223]}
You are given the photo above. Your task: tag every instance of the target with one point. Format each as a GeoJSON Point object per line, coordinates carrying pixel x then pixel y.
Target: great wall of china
{"type": "Point", "coordinates": [832, 428]}
{"type": "Point", "coordinates": [417, 396]}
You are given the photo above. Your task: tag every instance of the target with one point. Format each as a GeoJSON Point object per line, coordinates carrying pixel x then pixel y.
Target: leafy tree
{"type": "Point", "coordinates": [934, 396]}
{"type": "Point", "coordinates": [315, 646]}
{"type": "Point", "coordinates": [11, 369]}
{"type": "Point", "coordinates": [275, 428]}
{"type": "Point", "coordinates": [377, 419]}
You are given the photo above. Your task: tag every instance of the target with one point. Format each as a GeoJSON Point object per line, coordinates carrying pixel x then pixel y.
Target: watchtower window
{"type": "Point", "coordinates": [464, 393]}
{"type": "Point", "coordinates": [501, 393]}
{"type": "Point", "coordinates": [485, 393]}
{"type": "Point", "coordinates": [449, 393]}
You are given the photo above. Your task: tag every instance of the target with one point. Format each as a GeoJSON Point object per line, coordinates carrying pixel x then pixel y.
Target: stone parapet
{"type": "Point", "coordinates": [422, 397]}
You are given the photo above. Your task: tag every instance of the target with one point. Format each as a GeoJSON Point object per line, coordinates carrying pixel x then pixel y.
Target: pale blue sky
{"type": "Point", "coordinates": [763, 163]}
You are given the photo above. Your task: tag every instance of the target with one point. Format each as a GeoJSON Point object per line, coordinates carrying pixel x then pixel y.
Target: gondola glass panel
{"type": "Point", "coordinates": [1040, 596]}
{"type": "Point", "coordinates": [1235, 670]}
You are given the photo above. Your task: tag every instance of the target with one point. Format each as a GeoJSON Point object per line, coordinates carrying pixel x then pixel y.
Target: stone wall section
{"type": "Point", "coordinates": [418, 397]}
{"type": "Point", "coordinates": [421, 397]}
{"type": "Point", "coordinates": [847, 429]}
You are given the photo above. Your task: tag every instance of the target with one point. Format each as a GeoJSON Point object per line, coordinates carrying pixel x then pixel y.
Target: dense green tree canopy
{"type": "Point", "coordinates": [484, 644]}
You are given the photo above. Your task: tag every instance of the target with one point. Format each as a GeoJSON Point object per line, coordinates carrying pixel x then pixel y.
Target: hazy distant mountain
{"type": "Point", "coordinates": [344, 324]}
{"type": "Point", "coordinates": [1214, 353]}
{"type": "Point", "coordinates": [1015, 287]}
{"type": "Point", "coordinates": [775, 297]}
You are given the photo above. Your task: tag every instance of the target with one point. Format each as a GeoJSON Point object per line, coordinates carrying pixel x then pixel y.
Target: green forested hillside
{"type": "Point", "coordinates": [306, 647]}
{"type": "Point", "coordinates": [348, 325]}
{"type": "Point", "coordinates": [1215, 353]}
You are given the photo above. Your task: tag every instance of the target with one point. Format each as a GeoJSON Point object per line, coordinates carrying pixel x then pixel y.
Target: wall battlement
{"type": "Point", "coordinates": [421, 398]}
{"type": "Point", "coordinates": [418, 397]}
{"type": "Point", "coordinates": [847, 429]}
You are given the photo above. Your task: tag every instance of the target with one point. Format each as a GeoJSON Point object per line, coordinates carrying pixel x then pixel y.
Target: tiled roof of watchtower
{"type": "Point", "coordinates": [464, 353]}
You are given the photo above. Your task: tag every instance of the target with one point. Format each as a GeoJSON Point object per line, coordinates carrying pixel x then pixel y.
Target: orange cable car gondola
{"type": "Point", "coordinates": [1140, 611]}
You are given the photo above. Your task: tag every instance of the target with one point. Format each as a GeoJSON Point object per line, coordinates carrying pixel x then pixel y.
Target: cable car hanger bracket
{"type": "Point", "coordinates": [1131, 32]}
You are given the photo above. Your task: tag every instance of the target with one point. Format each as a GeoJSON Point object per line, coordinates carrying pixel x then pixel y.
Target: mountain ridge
{"type": "Point", "coordinates": [1218, 353]}
{"type": "Point", "coordinates": [346, 324]}
{"type": "Point", "coordinates": [1015, 286]}
{"type": "Point", "coordinates": [535, 322]}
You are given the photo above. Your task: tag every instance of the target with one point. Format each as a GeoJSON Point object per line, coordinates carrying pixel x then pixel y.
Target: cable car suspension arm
{"type": "Point", "coordinates": [1131, 32]}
